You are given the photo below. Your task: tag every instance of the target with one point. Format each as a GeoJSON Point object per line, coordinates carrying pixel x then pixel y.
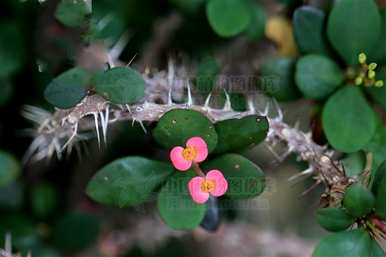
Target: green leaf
{"type": "Point", "coordinates": [68, 89]}
{"type": "Point", "coordinates": [128, 181]}
{"type": "Point", "coordinates": [378, 53]}
{"type": "Point", "coordinates": [309, 29]}
{"type": "Point", "coordinates": [73, 13]}
{"type": "Point", "coordinates": [121, 85]}
{"type": "Point", "coordinates": [358, 200]}
{"type": "Point", "coordinates": [348, 121]}
{"type": "Point", "coordinates": [206, 75]}
{"type": "Point", "coordinates": [12, 53]}
{"type": "Point", "coordinates": [378, 94]}
{"type": "Point", "coordinates": [380, 202]}
{"type": "Point", "coordinates": [76, 231]}
{"type": "Point", "coordinates": [176, 206]}
{"type": "Point", "coordinates": [277, 79]}
{"type": "Point", "coordinates": [11, 196]}
{"type": "Point", "coordinates": [188, 6]}
{"type": "Point", "coordinates": [256, 27]}
{"type": "Point", "coordinates": [354, 164]}
{"type": "Point", "coordinates": [44, 198]}
{"type": "Point", "coordinates": [380, 173]}
{"type": "Point", "coordinates": [9, 168]}
{"type": "Point", "coordinates": [6, 91]}
{"type": "Point", "coordinates": [228, 17]}
{"type": "Point", "coordinates": [354, 27]}
{"type": "Point", "coordinates": [334, 219]}
{"type": "Point", "coordinates": [177, 126]}
{"type": "Point", "coordinates": [245, 179]}
{"type": "Point", "coordinates": [354, 243]}
{"type": "Point", "coordinates": [376, 250]}
{"type": "Point", "coordinates": [317, 76]}
{"type": "Point", "coordinates": [236, 134]}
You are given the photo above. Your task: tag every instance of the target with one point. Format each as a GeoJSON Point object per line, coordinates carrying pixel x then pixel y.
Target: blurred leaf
{"type": "Point", "coordinates": [9, 168]}
{"type": "Point", "coordinates": [309, 30]}
{"type": "Point", "coordinates": [378, 53]}
{"type": "Point", "coordinates": [212, 219]}
{"type": "Point", "coordinates": [256, 28]}
{"type": "Point", "coordinates": [177, 126]}
{"type": "Point", "coordinates": [44, 199]}
{"type": "Point", "coordinates": [76, 231]}
{"type": "Point", "coordinates": [277, 79]}
{"type": "Point", "coordinates": [358, 200]}
{"type": "Point", "coordinates": [380, 203]}
{"type": "Point", "coordinates": [188, 6]}
{"type": "Point", "coordinates": [11, 196]}
{"type": "Point", "coordinates": [121, 85]}
{"type": "Point", "coordinates": [378, 94]}
{"type": "Point", "coordinates": [354, 27]}
{"type": "Point", "coordinates": [348, 120]}
{"type": "Point", "coordinates": [176, 206]}
{"type": "Point", "coordinates": [6, 91]}
{"type": "Point", "coordinates": [354, 163]}
{"type": "Point", "coordinates": [108, 28]}
{"type": "Point", "coordinates": [279, 30]}
{"type": "Point", "coordinates": [68, 89]}
{"type": "Point", "coordinates": [236, 134]}
{"type": "Point", "coordinates": [128, 181]}
{"type": "Point", "coordinates": [228, 17]}
{"type": "Point", "coordinates": [354, 243]}
{"type": "Point", "coordinates": [245, 179]}
{"type": "Point", "coordinates": [317, 76]}
{"type": "Point", "coordinates": [380, 173]}
{"type": "Point", "coordinates": [206, 75]}
{"type": "Point", "coordinates": [73, 13]}
{"type": "Point", "coordinates": [12, 51]}
{"type": "Point", "coordinates": [334, 219]}
{"type": "Point", "coordinates": [376, 250]}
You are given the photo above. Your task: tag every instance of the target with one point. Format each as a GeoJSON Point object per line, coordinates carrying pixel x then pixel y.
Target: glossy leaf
{"type": "Point", "coordinates": [354, 243]}
{"type": "Point", "coordinates": [378, 178]}
{"type": "Point", "coordinates": [378, 53]}
{"type": "Point", "coordinates": [277, 79]}
{"type": "Point", "coordinates": [380, 200]}
{"type": "Point", "coordinates": [309, 30]}
{"type": "Point", "coordinates": [73, 13]}
{"type": "Point", "coordinates": [317, 76]}
{"type": "Point", "coordinates": [376, 250]}
{"type": "Point", "coordinates": [176, 206]}
{"type": "Point", "coordinates": [354, 164]}
{"type": "Point", "coordinates": [177, 126]}
{"type": "Point", "coordinates": [228, 17]}
{"type": "Point", "coordinates": [358, 200]}
{"type": "Point", "coordinates": [68, 89]}
{"type": "Point", "coordinates": [334, 219]}
{"type": "Point", "coordinates": [348, 121]}
{"type": "Point", "coordinates": [128, 181]}
{"type": "Point", "coordinates": [256, 27]}
{"type": "Point", "coordinates": [9, 168]}
{"type": "Point", "coordinates": [379, 94]}
{"type": "Point", "coordinates": [236, 134]}
{"type": "Point", "coordinates": [245, 179]}
{"type": "Point", "coordinates": [121, 85]}
{"type": "Point", "coordinates": [354, 27]}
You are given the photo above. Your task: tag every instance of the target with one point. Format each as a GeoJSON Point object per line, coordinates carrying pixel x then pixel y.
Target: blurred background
{"type": "Point", "coordinates": [43, 206]}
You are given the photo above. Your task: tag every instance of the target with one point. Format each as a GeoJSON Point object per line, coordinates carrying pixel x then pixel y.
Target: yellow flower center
{"type": "Point", "coordinates": [208, 185]}
{"type": "Point", "coordinates": [189, 153]}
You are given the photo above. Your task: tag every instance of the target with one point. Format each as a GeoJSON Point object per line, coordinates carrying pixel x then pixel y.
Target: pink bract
{"type": "Point", "coordinates": [195, 186]}
{"type": "Point", "coordinates": [197, 152]}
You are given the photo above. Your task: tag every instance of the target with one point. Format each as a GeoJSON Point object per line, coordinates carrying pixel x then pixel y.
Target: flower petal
{"type": "Point", "coordinates": [201, 147]}
{"type": "Point", "coordinates": [178, 160]}
{"type": "Point", "coordinates": [195, 190]}
{"type": "Point", "coordinates": [220, 181]}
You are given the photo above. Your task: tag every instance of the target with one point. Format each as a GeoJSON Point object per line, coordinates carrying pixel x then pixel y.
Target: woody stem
{"type": "Point", "coordinates": [198, 170]}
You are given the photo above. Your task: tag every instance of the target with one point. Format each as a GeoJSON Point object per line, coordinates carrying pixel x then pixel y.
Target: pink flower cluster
{"type": "Point", "coordinates": [201, 186]}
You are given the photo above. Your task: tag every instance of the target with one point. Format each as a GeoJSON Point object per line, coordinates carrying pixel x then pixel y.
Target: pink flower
{"type": "Point", "coordinates": [213, 183]}
{"type": "Point", "coordinates": [196, 150]}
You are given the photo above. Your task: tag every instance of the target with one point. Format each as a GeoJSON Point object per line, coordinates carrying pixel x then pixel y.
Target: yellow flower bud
{"type": "Point", "coordinates": [358, 81]}
{"type": "Point", "coordinates": [372, 66]}
{"type": "Point", "coordinates": [362, 58]}
{"type": "Point", "coordinates": [371, 74]}
{"type": "Point", "coordinates": [379, 83]}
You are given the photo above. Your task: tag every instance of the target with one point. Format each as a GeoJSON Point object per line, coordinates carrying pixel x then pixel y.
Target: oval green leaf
{"type": "Point", "coordinates": [380, 173]}
{"type": "Point", "coordinates": [256, 27]}
{"type": "Point", "coordinates": [380, 200]}
{"type": "Point", "coordinates": [376, 250]}
{"type": "Point", "coordinates": [68, 89]}
{"type": "Point", "coordinates": [177, 126]}
{"type": "Point", "coordinates": [228, 17]}
{"type": "Point", "coordinates": [236, 134]}
{"type": "Point", "coordinates": [278, 80]}
{"type": "Point", "coordinates": [354, 243]}
{"type": "Point", "coordinates": [9, 168]}
{"type": "Point", "coordinates": [309, 30]}
{"type": "Point", "coordinates": [354, 27]}
{"type": "Point", "coordinates": [317, 76]}
{"type": "Point", "coordinates": [176, 206]}
{"type": "Point", "coordinates": [348, 121]}
{"type": "Point", "coordinates": [245, 179]}
{"type": "Point", "coordinates": [73, 13]}
{"type": "Point", "coordinates": [334, 219]}
{"type": "Point", "coordinates": [354, 163]}
{"type": "Point", "coordinates": [121, 85]}
{"type": "Point", "coordinates": [128, 181]}
{"type": "Point", "coordinates": [358, 200]}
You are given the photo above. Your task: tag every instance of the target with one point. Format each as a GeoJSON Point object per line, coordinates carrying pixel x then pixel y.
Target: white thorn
{"type": "Point", "coordinates": [297, 125]}
{"type": "Point", "coordinates": [278, 109]}
{"type": "Point", "coordinates": [8, 243]}
{"type": "Point", "coordinates": [133, 122]}
{"type": "Point", "coordinates": [170, 99]}
{"type": "Point", "coordinates": [142, 126]}
{"type": "Point", "coordinates": [306, 172]}
{"type": "Point", "coordinates": [118, 48]}
{"type": "Point", "coordinates": [190, 99]}
{"type": "Point", "coordinates": [97, 128]}
{"type": "Point", "coordinates": [103, 126]}
{"type": "Point", "coordinates": [251, 105]}
{"type": "Point", "coordinates": [207, 101]}
{"type": "Point", "coordinates": [277, 157]}
{"type": "Point", "coordinates": [71, 137]}
{"type": "Point", "coordinates": [132, 60]}
{"type": "Point", "coordinates": [128, 108]}
{"type": "Point", "coordinates": [228, 104]}
{"type": "Point", "coordinates": [266, 110]}
{"type": "Point", "coordinates": [107, 116]}
{"type": "Point", "coordinates": [57, 148]}
{"type": "Point", "coordinates": [170, 73]}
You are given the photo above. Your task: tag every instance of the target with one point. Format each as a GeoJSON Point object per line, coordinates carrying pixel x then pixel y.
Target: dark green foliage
{"type": "Point", "coordinates": [334, 219]}
{"type": "Point", "coordinates": [9, 168]}
{"type": "Point", "coordinates": [73, 13]}
{"type": "Point", "coordinates": [358, 200]}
